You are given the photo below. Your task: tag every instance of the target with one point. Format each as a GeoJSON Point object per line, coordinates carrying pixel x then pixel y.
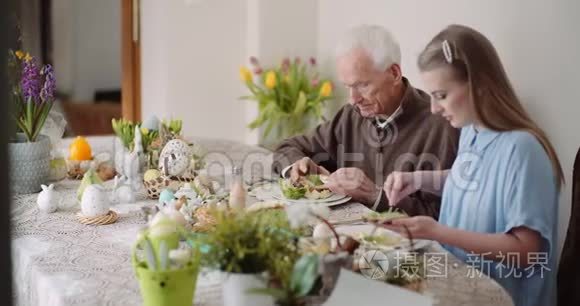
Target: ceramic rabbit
{"type": "Point", "coordinates": [131, 170]}
{"type": "Point", "coordinates": [137, 141]}
{"type": "Point", "coordinates": [122, 191]}
{"type": "Point", "coordinates": [48, 200]}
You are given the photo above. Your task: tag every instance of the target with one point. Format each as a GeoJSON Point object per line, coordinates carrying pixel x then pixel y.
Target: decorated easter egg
{"type": "Point", "coordinates": [152, 123]}
{"type": "Point", "coordinates": [176, 155]}
{"type": "Point", "coordinates": [151, 174]}
{"type": "Point", "coordinates": [95, 201]}
{"type": "Point", "coordinates": [165, 197]}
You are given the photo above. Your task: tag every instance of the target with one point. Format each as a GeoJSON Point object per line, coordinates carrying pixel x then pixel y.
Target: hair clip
{"type": "Point", "coordinates": [447, 51]}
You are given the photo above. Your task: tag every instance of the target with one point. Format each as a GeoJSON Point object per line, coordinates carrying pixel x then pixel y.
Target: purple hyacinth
{"type": "Point", "coordinates": [30, 82]}
{"type": "Point", "coordinates": [49, 87]}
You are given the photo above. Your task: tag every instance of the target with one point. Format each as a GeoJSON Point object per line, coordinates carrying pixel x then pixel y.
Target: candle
{"type": "Point", "coordinates": [80, 150]}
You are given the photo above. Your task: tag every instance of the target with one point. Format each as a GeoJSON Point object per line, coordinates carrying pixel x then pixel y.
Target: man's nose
{"type": "Point", "coordinates": [355, 96]}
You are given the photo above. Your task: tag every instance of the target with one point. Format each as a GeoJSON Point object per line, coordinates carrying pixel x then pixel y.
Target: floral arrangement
{"type": "Point", "coordinates": [32, 90]}
{"type": "Point", "coordinates": [288, 95]}
{"type": "Point", "coordinates": [125, 130]}
{"type": "Point", "coordinates": [301, 265]}
{"type": "Point", "coordinates": [251, 242]}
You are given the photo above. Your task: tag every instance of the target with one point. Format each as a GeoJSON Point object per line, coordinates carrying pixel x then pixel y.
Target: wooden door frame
{"type": "Point", "coordinates": [131, 60]}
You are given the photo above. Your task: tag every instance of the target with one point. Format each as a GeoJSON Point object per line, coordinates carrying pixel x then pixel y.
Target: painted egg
{"type": "Point", "coordinates": [177, 154]}
{"type": "Point", "coordinates": [165, 197]}
{"type": "Point", "coordinates": [95, 201]}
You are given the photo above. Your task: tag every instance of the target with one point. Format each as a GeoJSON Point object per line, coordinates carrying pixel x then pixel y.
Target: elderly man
{"type": "Point", "coordinates": [387, 126]}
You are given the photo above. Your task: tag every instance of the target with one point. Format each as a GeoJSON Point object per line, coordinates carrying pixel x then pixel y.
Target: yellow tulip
{"type": "Point", "coordinates": [27, 57]}
{"type": "Point", "coordinates": [245, 74]}
{"type": "Point", "coordinates": [144, 131]}
{"type": "Point", "coordinates": [19, 54]}
{"type": "Point", "coordinates": [270, 81]}
{"type": "Point", "coordinates": [326, 89]}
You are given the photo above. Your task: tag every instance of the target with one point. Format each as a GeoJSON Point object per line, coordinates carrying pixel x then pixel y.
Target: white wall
{"type": "Point", "coordinates": [97, 47]}
{"type": "Point", "coordinates": [63, 51]}
{"type": "Point", "coordinates": [539, 46]}
{"type": "Point", "coordinates": [192, 50]}
{"type": "Point", "coordinates": [87, 46]}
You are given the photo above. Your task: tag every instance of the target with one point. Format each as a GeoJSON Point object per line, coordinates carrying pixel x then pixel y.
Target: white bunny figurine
{"type": "Point", "coordinates": [122, 191]}
{"type": "Point", "coordinates": [131, 170]}
{"type": "Point", "coordinates": [137, 141]}
{"type": "Point", "coordinates": [47, 199]}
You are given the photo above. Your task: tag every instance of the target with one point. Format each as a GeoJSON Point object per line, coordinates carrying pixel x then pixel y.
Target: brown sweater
{"type": "Point", "coordinates": [414, 140]}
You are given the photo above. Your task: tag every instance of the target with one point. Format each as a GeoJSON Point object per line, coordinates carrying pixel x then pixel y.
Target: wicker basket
{"type": "Point", "coordinates": [109, 218]}
{"type": "Point", "coordinates": [155, 186]}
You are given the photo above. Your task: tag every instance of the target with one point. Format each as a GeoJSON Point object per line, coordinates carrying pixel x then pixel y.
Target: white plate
{"type": "Point", "coordinates": [272, 191]}
{"type": "Point", "coordinates": [356, 230]}
{"type": "Point", "coordinates": [267, 192]}
{"type": "Point", "coordinates": [277, 194]}
{"type": "Point", "coordinates": [333, 203]}
{"type": "Point", "coordinates": [331, 198]}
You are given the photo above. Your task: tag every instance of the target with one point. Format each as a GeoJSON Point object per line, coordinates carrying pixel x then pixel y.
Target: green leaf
{"type": "Point", "coordinates": [315, 179]}
{"type": "Point", "coordinates": [300, 104]}
{"type": "Point", "coordinates": [44, 111]}
{"type": "Point", "coordinates": [23, 128]}
{"type": "Point", "coordinates": [255, 98]}
{"type": "Point", "coordinates": [305, 274]}
{"type": "Point", "coordinates": [29, 114]}
{"type": "Point", "coordinates": [290, 191]}
{"type": "Point", "coordinates": [270, 125]}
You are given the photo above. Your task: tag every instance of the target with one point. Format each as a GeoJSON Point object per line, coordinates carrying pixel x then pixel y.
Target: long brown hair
{"type": "Point", "coordinates": [473, 59]}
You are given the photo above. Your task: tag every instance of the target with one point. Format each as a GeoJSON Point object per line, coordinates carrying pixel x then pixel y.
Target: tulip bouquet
{"type": "Point", "coordinates": [290, 96]}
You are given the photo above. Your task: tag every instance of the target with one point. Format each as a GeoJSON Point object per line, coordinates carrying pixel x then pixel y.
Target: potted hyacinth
{"type": "Point", "coordinates": [32, 93]}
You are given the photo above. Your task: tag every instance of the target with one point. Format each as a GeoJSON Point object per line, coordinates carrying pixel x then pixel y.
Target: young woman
{"type": "Point", "coordinates": [500, 198]}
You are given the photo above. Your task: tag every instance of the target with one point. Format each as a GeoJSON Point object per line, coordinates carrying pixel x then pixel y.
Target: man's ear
{"type": "Point", "coordinates": [395, 72]}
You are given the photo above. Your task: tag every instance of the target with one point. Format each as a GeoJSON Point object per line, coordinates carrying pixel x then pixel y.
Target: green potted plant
{"type": "Point", "coordinates": [290, 98]}
{"type": "Point", "coordinates": [32, 90]}
{"type": "Point", "coordinates": [254, 249]}
{"type": "Point", "coordinates": [167, 274]}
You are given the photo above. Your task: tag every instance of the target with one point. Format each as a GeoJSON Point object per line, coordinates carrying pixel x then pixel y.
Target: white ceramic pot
{"type": "Point", "coordinates": [235, 290]}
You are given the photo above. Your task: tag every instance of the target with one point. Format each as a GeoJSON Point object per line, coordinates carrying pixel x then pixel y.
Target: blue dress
{"type": "Point", "coordinates": [500, 181]}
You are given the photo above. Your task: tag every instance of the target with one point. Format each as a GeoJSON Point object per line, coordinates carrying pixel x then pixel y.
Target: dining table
{"type": "Point", "coordinates": [58, 261]}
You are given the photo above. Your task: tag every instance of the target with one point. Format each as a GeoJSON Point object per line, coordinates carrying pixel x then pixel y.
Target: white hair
{"type": "Point", "coordinates": [377, 41]}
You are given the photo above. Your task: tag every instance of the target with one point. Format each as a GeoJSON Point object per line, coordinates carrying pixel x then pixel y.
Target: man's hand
{"type": "Point", "coordinates": [304, 167]}
{"type": "Point", "coordinates": [354, 183]}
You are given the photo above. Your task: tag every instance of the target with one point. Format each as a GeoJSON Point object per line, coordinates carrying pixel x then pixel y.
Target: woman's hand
{"type": "Point", "coordinates": [399, 185]}
{"type": "Point", "coordinates": [420, 227]}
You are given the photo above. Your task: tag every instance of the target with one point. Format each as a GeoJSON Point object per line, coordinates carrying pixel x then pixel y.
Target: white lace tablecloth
{"type": "Point", "coordinates": [58, 261]}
